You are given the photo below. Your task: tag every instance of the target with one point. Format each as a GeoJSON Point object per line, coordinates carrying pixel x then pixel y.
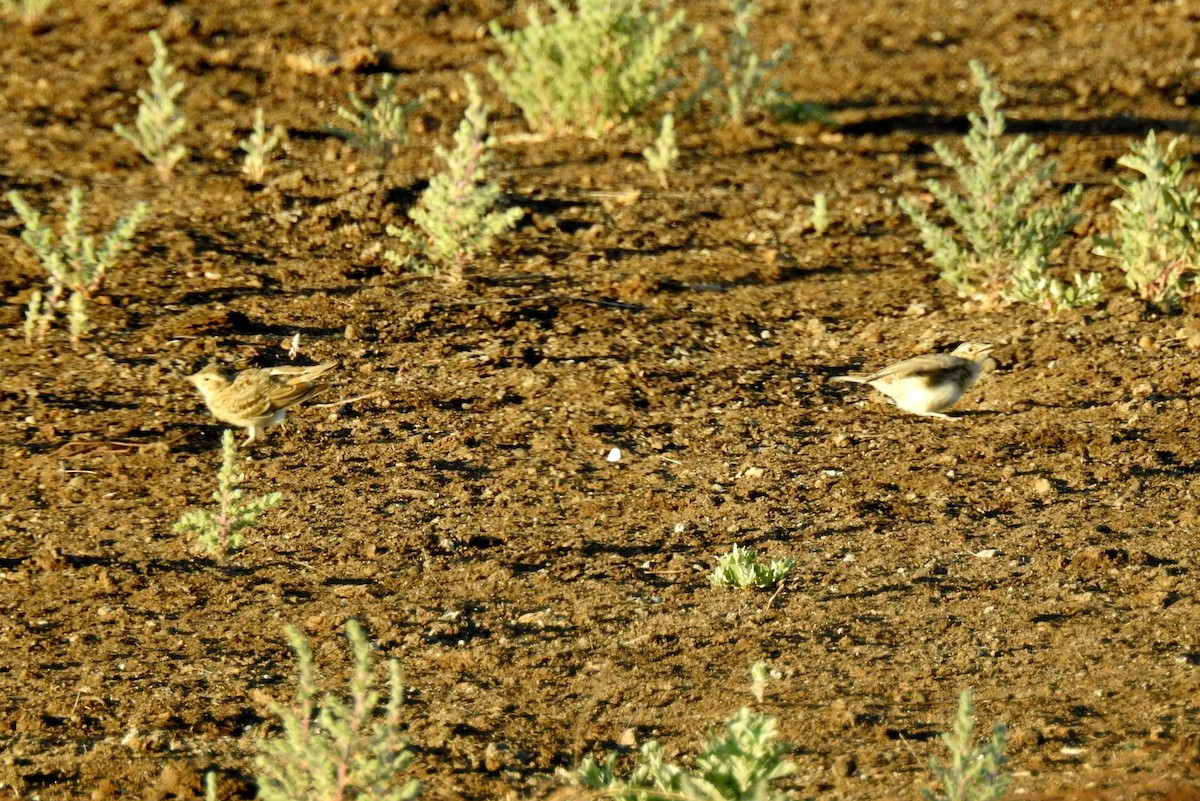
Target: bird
{"type": "Point", "coordinates": [258, 398]}
{"type": "Point", "coordinates": [925, 385]}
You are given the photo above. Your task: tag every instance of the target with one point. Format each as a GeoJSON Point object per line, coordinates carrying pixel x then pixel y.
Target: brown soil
{"type": "Point", "coordinates": [545, 603]}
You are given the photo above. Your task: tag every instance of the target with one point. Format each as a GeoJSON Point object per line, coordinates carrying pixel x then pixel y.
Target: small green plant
{"type": "Point", "coordinates": [820, 213]}
{"type": "Point", "coordinates": [258, 147]}
{"type": "Point", "coordinates": [758, 680]}
{"type": "Point", "coordinates": [974, 772]}
{"type": "Point", "coordinates": [741, 568]}
{"type": "Point", "coordinates": [210, 786]}
{"type": "Point", "coordinates": [1157, 238]}
{"type": "Point", "coordinates": [1030, 283]}
{"type": "Point", "coordinates": [745, 87]}
{"type": "Point", "coordinates": [379, 123]}
{"type": "Point", "coordinates": [593, 69]}
{"type": "Point", "coordinates": [455, 217]}
{"type": "Point", "coordinates": [662, 155]}
{"type": "Point", "coordinates": [159, 121]}
{"type": "Point", "coordinates": [1008, 239]}
{"type": "Point", "coordinates": [221, 531]}
{"type": "Point", "coordinates": [342, 749]}
{"type": "Point", "coordinates": [74, 264]}
{"type": "Point", "coordinates": [30, 11]}
{"type": "Point", "coordinates": [737, 764]}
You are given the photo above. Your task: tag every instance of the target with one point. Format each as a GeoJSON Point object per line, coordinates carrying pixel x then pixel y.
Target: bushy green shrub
{"type": "Point", "coordinates": [1004, 231]}
{"type": "Point", "coordinates": [594, 68]}
{"type": "Point", "coordinates": [342, 749]}
{"type": "Point", "coordinates": [456, 217]}
{"type": "Point", "coordinates": [74, 263]}
{"type": "Point", "coordinates": [1157, 238]}
{"type": "Point", "coordinates": [974, 772]}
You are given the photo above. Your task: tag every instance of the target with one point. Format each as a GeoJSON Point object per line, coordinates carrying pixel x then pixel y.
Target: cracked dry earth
{"type": "Point", "coordinates": [545, 602]}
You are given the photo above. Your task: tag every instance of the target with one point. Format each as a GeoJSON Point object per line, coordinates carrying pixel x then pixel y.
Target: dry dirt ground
{"type": "Point", "coordinates": [546, 603]}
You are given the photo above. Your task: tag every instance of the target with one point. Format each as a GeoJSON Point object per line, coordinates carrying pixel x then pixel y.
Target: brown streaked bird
{"type": "Point", "coordinates": [926, 385]}
{"type": "Point", "coordinates": [258, 398]}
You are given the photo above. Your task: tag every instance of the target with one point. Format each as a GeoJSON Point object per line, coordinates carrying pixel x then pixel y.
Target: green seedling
{"type": "Point", "coordinates": [159, 120]}
{"type": "Point", "coordinates": [456, 217]}
{"type": "Point", "coordinates": [342, 748]}
{"type": "Point", "coordinates": [220, 531]}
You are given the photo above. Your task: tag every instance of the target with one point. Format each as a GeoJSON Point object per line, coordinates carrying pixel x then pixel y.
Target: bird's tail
{"type": "Point", "coordinates": [300, 375]}
{"type": "Point", "coordinates": [850, 379]}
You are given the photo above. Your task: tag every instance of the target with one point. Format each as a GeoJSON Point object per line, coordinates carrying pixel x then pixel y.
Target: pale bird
{"type": "Point", "coordinates": [258, 398]}
{"type": "Point", "coordinates": [926, 385]}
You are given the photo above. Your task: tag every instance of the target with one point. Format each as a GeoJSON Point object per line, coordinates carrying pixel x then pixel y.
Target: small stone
{"type": "Point", "coordinates": [844, 765]}
{"type": "Point", "coordinates": [871, 334]}
{"type": "Point", "coordinates": [493, 757]}
{"type": "Point", "coordinates": [1042, 486]}
{"type": "Point", "coordinates": [106, 789]}
{"type": "Point", "coordinates": [1022, 737]}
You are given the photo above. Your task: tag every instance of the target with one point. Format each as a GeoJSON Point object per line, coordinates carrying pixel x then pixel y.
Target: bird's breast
{"type": "Point", "coordinates": [920, 393]}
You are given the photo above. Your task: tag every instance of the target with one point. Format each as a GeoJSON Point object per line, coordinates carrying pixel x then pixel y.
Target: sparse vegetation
{"type": "Point", "coordinates": [210, 786]}
{"type": "Point", "coordinates": [1157, 238]}
{"type": "Point", "coordinates": [159, 120]}
{"type": "Point", "coordinates": [1030, 283]}
{"type": "Point", "coordinates": [974, 772]}
{"type": "Point", "coordinates": [592, 69]}
{"type": "Point", "coordinates": [29, 11]}
{"type": "Point", "coordinates": [745, 87]}
{"type": "Point", "coordinates": [74, 263]}
{"type": "Point", "coordinates": [545, 600]}
{"type": "Point", "coordinates": [220, 532]}
{"type": "Point", "coordinates": [341, 749]}
{"type": "Point", "coordinates": [258, 147]}
{"type": "Point", "coordinates": [1002, 243]}
{"type": "Point", "coordinates": [820, 213]}
{"type": "Point", "coordinates": [738, 764]}
{"type": "Point", "coordinates": [456, 217]}
{"type": "Point", "coordinates": [662, 155]}
{"type": "Point", "coordinates": [741, 568]}
{"type": "Point", "coordinates": [379, 124]}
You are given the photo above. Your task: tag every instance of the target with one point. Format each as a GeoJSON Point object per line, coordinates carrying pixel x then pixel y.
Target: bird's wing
{"type": "Point", "coordinates": [929, 365]}
{"type": "Point", "coordinates": [285, 395]}
{"type": "Point", "coordinates": [249, 395]}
